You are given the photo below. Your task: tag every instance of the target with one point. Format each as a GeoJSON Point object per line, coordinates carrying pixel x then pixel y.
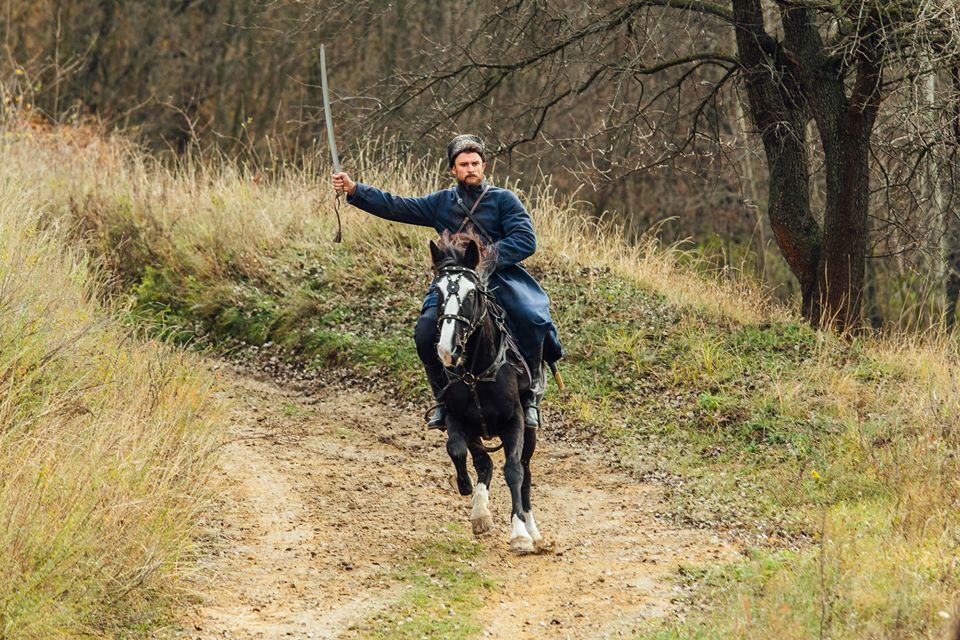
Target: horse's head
{"type": "Point", "coordinates": [459, 261]}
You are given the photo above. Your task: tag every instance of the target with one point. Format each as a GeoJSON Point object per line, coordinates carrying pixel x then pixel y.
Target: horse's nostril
{"type": "Point", "coordinates": [445, 357]}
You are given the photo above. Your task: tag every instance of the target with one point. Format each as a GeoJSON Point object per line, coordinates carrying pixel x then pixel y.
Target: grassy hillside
{"type": "Point", "coordinates": [834, 460]}
{"type": "Point", "coordinates": [104, 442]}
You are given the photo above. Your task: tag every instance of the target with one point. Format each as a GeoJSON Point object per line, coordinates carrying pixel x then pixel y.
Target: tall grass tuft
{"type": "Point", "coordinates": [105, 441]}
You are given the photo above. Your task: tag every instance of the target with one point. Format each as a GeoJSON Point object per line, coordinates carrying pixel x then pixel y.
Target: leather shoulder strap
{"type": "Point", "coordinates": [468, 215]}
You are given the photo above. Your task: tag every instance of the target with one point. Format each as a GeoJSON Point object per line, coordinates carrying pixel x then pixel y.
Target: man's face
{"type": "Point", "coordinates": [468, 168]}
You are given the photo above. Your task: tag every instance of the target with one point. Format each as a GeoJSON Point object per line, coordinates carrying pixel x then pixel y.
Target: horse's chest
{"type": "Point", "coordinates": [494, 404]}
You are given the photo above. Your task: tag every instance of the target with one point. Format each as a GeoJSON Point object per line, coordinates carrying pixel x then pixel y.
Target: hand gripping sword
{"type": "Point", "coordinates": [330, 139]}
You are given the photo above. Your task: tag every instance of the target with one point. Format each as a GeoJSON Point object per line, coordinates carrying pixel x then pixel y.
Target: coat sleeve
{"type": "Point", "coordinates": [518, 242]}
{"type": "Point", "coordinates": [420, 211]}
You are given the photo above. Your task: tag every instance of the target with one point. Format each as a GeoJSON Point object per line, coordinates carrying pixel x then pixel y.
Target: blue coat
{"type": "Point", "coordinates": [501, 215]}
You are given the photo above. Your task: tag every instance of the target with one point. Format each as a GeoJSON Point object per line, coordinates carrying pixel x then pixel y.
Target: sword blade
{"type": "Point", "coordinates": [326, 110]}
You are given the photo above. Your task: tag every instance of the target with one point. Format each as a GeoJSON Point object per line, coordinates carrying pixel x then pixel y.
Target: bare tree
{"type": "Point", "coordinates": [852, 103]}
{"type": "Point", "coordinates": [799, 62]}
{"type": "Point", "coordinates": [952, 216]}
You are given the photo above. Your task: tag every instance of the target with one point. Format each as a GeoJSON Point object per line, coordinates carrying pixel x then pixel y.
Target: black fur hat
{"type": "Point", "coordinates": [465, 142]}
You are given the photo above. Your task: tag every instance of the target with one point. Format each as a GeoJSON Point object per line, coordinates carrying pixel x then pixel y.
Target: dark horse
{"type": "Point", "coordinates": [483, 393]}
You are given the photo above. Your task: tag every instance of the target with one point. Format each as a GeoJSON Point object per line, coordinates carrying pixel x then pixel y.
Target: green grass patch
{"type": "Point", "coordinates": [332, 310]}
{"type": "Point", "coordinates": [443, 591]}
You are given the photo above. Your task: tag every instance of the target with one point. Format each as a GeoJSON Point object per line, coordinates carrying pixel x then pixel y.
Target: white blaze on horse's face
{"type": "Point", "coordinates": [448, 328]}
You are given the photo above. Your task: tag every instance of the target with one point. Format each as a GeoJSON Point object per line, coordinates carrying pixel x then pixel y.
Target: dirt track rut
{"type": "Point", "coordinates": [325, 496]}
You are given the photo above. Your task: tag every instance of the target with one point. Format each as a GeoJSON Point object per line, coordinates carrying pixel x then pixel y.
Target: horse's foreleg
{"type": "Point", "coordinates": [457, 448]}
{"type": "Point", "coordinates": [520, 540]}
{"type": "Point", "coordinates": [480, 518]}
{"type": "Point", "coordinates": [529, 446]}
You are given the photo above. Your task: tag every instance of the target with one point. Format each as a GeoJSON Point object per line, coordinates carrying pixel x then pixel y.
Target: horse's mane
{"type": "Point", "coordinates": [454, 245]}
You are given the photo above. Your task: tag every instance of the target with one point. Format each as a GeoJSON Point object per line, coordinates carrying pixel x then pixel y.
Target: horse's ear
{"type": "Point", "coordinates": [471, 255]}
{"type": "Point", "coordinates": [435, 253]}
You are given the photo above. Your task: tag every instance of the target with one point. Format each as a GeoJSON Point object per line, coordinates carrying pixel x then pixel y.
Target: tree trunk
{"type": "Point", "coordinates": [795, 229]}
{"type": "Point", "coordinates": [787, 84]}
{"type": "Point", "coordinates": [841, 267]}
{"type": "Point", "coordinates": [846, 126]}
{"type": "Point", "coordinates": [781, 122]}
{"type": "Point", "coordinates": [952, 217]}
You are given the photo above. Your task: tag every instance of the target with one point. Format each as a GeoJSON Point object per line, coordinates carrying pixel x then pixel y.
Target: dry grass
{"type": "Point", "coordinates": [880, 502]}
{"type": "Point", "coordinates": [566, 233]}
{"type": "Point", "coordinates": [207, 211]}
{"type": "Point", "coordinates": [104, 441]}
{"type": "Point", "coordinates": [880, 498]}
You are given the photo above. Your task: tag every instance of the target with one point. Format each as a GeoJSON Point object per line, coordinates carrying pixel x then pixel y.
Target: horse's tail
{"type": "Point", "coordinates": [479, 445]}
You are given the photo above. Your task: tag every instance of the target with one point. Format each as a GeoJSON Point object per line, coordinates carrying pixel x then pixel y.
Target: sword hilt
{"type": "Point", "coordinates": [336, 209]}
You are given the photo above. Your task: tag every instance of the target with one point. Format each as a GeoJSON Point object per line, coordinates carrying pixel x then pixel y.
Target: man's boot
{"type": "Point", "coordinates": [531, 412]}
{"type": "Point", "coordinates": [437, 379]}
{"type": "Point", "coordinates": [439, 418]}
{"type": "Point", "coordinates": [530, 398]}
{"type": "Point", "coordinates": [425, 335]}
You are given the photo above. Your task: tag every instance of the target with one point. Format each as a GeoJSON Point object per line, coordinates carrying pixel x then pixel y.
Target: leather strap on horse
{"type": "Point", "coordinates": [470, 380]}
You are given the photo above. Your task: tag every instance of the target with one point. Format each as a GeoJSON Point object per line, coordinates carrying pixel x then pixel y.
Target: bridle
{"type": "Point", "coordinates": [453, 289]}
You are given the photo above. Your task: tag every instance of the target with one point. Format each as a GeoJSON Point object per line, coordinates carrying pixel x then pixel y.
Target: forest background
{"type": "Point", "coordinates": [663, 116]}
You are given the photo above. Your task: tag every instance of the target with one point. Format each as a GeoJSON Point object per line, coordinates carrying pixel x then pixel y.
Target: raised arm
{"type": "Point", "coordinates": [420, 211]}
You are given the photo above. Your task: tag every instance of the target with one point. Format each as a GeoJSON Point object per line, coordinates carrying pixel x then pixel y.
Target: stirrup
{"type": "Point", "coordinates": [439, 418]}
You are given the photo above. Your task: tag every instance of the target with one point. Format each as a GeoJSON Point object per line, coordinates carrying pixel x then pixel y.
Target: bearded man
{"type": "Point", "coordinates": [497, 216]}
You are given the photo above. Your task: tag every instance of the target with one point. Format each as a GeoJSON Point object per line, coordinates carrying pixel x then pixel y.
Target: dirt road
{"type": "Point", "coordinates": [326, 496]}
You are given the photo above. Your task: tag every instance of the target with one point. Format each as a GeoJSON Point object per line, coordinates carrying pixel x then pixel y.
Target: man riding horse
{"type": "Point", "coordinates": [497, 216]}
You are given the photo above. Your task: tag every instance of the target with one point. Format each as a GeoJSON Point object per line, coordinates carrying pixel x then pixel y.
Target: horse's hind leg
{"type": "Point", "coordinates": [480, 518]}
{"type": "Point", "coordinates": [457, 448]}
{"type": "Point", "coordinates": [520, 540]}
{"type": "Point", "coordinates": [529, 446]}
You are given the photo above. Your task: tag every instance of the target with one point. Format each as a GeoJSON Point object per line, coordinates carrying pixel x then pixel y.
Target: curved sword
{"type": "Point", "coordinates": [328, 117]}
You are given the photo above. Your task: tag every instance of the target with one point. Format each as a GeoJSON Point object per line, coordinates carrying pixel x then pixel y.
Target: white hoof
{"type": "Point", "coordinates": [520, 540]}
{"type": "Point", "coordinates": [522, 545]}
{"type": "Point", "coordinates": [531, 526]}
{"type": "Point", "coordinates": [480, 518]}
{"type": "Point", "coordinates": [483, 524]}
